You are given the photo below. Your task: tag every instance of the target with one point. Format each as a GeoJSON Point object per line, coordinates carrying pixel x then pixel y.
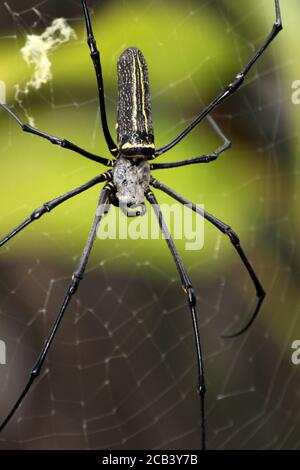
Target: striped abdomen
{"type": "Point", "coordinates": [134, 124]}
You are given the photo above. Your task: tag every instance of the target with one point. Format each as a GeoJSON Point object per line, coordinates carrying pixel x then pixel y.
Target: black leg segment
{"type": "Point", "coordinates": [73, 286]}
{"type": "Point", "coordinates": [188, 289]}
{"type": "Point", "coordinates": [227, 230]}
{"type": "Point", "coordinates": [207, 158]}
{"type": "Point", "coordinates": [56, 140]}
{"type": "Point", "coordinates": [232, 87]}
{"type": "Point", "coordinates": [48, 206]}
{"type": "Point", "coordinates": [97, 65]}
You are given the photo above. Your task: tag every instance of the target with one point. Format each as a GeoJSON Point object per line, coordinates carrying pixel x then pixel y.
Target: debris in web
{"type": "Point", "coordinates": [36, 54]}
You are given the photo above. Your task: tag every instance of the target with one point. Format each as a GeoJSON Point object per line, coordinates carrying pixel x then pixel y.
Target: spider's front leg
{"type": "Point", "coordinates": [188, 289]}
{"type": "Point", "coordinates": [72, 289]}
{"type": "Point", "coordinates": [207, 158]}
{"type": "Point", "coordinates": [234, 239]}
{"type": "Point", "coordinates": [48, 206]}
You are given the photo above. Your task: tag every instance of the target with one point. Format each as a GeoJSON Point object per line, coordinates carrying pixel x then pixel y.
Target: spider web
{"type": "Point", "coordinates": [121, 373]}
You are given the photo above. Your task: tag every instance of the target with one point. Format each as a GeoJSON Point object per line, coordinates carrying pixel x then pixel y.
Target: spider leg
{"type": "Point", "coordinates": [188, 289]}
{"type": "Point", "coordinates": [48, 206]}
{"type": "Point", "coordinates": [97, 65]}
{"type": "Point", "coordinates": [232, 87]}
{"type": "Point", "coordinates": [227, 230]}
{"type": "Point", "coordinates": [207, 158]}
{"type": "Point", "coordinates": [56, 140]}
{"type": "Point", "coordinates": [73, 286]}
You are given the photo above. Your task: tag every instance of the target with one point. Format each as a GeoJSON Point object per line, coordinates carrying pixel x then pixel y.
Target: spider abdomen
{"type": "Point", "coordinates": [131, 178]}
{"type": "Point", "coordinates": [134, 124]}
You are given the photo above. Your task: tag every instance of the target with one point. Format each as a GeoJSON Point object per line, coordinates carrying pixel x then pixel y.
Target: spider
{"type": "Point", "coordinates": [129, 179]}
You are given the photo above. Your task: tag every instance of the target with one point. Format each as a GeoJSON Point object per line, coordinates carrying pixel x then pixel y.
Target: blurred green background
{"type": "Point", "coordinates": [122, 372]}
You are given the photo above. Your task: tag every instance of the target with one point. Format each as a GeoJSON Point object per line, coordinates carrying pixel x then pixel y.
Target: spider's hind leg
{"type": "Point", "coordinates": [95, 56]}
{"type": "Point", "coordinates": [206, 158]}
{"type": "Point", "coordinates": [231, 87]}
{"type": "Point", "coordinates": [64, 143]}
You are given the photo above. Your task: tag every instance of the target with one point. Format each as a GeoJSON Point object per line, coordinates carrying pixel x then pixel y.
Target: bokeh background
{"type": "Point", "coordinates": [122, 371]}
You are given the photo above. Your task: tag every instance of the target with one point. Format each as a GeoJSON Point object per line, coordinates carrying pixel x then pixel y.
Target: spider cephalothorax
{"type": "Point", "coordinates": [131, 177]}
{"type": "Point", "coordinates": [128, 181]}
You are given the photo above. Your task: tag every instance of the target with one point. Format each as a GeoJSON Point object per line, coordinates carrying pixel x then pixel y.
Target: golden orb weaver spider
{"type": "Point", "coordinates": [129, 179]}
